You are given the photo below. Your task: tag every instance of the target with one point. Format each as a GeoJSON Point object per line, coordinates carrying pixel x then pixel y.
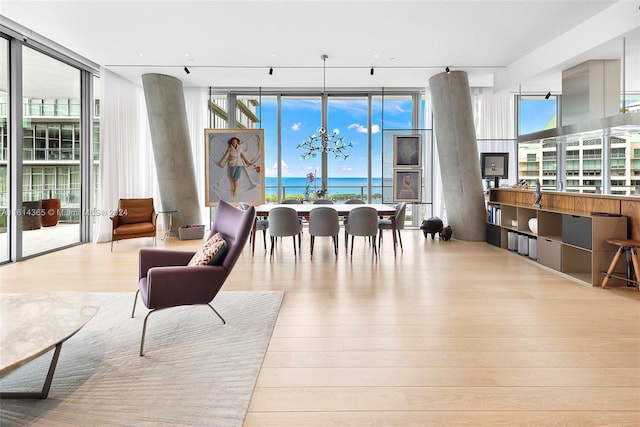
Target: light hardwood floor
{"type": "Point", "coordinates": [445, 333]}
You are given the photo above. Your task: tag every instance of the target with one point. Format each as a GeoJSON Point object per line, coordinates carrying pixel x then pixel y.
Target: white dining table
{"type": "Point", "coordinates": [343, 209]}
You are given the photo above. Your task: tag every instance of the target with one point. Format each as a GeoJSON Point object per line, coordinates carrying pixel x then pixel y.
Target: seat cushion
{"type": "Point", "coordinates": [211, 253]}
{"type": "Point", "coordinates": [127, 229]}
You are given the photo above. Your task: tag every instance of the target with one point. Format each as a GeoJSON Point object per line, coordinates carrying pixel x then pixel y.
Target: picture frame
{"type": "Point", "coordinates": [234, 172]}
{"type": "Point", "coordinates": [407, 185]}
{"type": "Point", "coordinates": [407, 151]}
{"type": "Point", "coordinates": [494, 165]}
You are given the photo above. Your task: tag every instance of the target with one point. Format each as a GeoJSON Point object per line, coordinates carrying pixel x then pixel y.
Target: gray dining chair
{"type": "Point", "coordinates": [284, 221]}
{"type": "Point", "coordinates": [363, 221]}
{"type": "Point", "coordinates": [344, 221]}
{"type": "Point", "coordinates": [291, 202]}
{"type": "Point", "coordinates": [324, 221]}
{"type": "Point", "coordinates": [385, 224]}
{"type": "Point", "coordinates": [323, 202]}
{"type": "Point", "coordinates": [260, 225]}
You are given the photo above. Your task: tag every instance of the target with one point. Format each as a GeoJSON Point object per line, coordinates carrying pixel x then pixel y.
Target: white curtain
{"type": "Point", "coordinates": [195, 100]}
{"type": "Point", "coordinates": [127, 168]}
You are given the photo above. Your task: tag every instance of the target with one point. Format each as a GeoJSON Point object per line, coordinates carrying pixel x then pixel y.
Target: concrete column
{"type": "Point", "coordinates": [458, 155]}
{"type": "Point", "coordinates": [164, 98]}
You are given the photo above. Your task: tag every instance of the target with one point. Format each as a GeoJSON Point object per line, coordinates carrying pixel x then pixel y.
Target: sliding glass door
{"type": "Point", "coordinates": [51, 147]}
{"type": "Point", "coordinates": [4, 150]}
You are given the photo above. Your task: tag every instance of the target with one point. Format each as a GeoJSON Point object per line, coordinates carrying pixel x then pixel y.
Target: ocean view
{"type": "Point", "coordinates": [296, 185]}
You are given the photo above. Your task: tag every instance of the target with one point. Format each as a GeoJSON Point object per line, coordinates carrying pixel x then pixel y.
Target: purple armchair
{"type": "Point", "coordinates": [166, 281]}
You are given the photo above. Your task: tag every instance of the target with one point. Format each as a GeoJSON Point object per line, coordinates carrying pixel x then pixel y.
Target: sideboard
{"type": "Point", "coordinates": [572, 228]}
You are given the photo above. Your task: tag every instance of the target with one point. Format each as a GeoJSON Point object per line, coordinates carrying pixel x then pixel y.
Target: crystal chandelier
{"type": "Point", "coordinates": [324, 142]}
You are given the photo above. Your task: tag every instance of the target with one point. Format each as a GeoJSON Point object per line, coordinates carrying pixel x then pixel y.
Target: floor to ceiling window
{"type": "Point", "coordinates": [348, 176]}
{"type": "Point", "coordinates": [4, 149]}
{"type": "Point", "coordinates": [51, 153]}
{"type": "Point", "coordinates": [300, 118]}
{"type": "Point", "coordinates": [288, 120]}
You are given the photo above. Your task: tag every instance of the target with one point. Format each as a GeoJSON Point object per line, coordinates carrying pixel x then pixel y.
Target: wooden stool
{"type": "Point", "coordinates": [628, 247]}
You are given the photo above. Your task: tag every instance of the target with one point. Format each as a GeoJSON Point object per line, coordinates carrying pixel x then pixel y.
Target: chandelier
{"type": "Point", "coordinates": [323, 141]}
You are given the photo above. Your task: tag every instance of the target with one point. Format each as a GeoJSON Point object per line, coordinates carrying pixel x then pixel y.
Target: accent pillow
{"type": "Point", "coordinates": [212, 252]}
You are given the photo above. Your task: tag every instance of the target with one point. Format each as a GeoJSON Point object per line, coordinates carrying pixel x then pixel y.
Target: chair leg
{"type": "Point", "coordinates": [144, 325]}
{"type": "Point", "coordinates": [294, 246]}
{"type": "Point", "coordinates": [400, 240]}
{"type": "Point", "coordinates": [111, 245]}
{"type": "Point", "coordinates": [311, 247]}
{"type": "Point", "coordinates": [224, 322]}
{"type": "Point", "coordinates": [264, 239]}
{"type": "Point", "coordinates": [272, 244]}
{"type": "Point", "coordinates": [351, 245]}
{"type": "Point", "coordinates": [135, 300]}
{"type": "Point", "coordinates": [335, 244]}
{"type": "Point", "coordinates": [375, 248]}
{"type": "Point", "coordinates": [144, 330]}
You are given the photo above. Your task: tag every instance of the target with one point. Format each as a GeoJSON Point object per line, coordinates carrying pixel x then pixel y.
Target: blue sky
{"type": "Point", "coordinates": [302, 117]}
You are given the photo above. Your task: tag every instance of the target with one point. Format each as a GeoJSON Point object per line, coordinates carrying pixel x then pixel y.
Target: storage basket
{"type": "Point", "coordinates": [191, 232]}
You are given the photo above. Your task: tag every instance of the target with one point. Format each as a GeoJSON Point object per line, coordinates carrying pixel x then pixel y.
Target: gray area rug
{"type": "Point", "coordinates": [195, 371]}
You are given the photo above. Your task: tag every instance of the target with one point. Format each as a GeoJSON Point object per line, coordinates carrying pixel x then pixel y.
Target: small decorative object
{"type": "Point", "coordinates": [431, 226]}
{"type": "Point", "coordinates": [322, 193]}
{"type": "Point", "coordinates": [514, 222]}
{"type": "Point", "coordinates": [538, 195]}
{"type": "Point", "coordinates": [446, 233]}
{"type": "Point", "coordinates": [533, 225]}
{"type": "Point", "coordinates": [311, 177]}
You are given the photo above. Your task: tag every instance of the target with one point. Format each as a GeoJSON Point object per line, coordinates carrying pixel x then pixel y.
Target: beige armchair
{"type": "Point", "coordinates": [136, 218]}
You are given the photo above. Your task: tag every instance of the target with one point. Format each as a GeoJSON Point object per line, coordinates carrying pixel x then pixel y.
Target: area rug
{"type": "Point", "coordinates": [195, 371]}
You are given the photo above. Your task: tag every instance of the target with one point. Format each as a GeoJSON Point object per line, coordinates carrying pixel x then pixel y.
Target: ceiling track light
{"type": "Point", "coordinates": [548, 95]}
{"type": "Point", "coordinates": [448, 70]}
{"type": "Point", "coordinates": [186, 70]}
{"type": "Point", "coordinates": [371, 72]}
{"type": "Point", "coordinates": [270, 71]}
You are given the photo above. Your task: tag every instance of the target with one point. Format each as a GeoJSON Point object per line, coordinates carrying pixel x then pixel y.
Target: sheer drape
{"type": "Point", "coordinates": [126, 156]}
{"type": "Point", "coordinates": [195, 100]}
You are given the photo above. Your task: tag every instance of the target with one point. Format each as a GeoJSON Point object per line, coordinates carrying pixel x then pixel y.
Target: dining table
{"type": "Point", "coordinates": [343, 209]}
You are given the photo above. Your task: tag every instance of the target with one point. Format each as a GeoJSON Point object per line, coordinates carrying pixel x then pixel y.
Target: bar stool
{"type": "Point", "coordinates": [628, 247]}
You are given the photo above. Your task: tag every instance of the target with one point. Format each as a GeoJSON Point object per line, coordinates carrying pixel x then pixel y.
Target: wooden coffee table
{"type": "Point", "coordinates": [33, 324]}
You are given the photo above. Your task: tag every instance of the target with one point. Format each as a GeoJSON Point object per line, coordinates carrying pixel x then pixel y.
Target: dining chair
{"type": "Point", "coordinates": [284, 221]}
{"type": "Point", "coordinates": [260, 225]}
{"type": "Point", "coordinates": [324, 221]}
{"type": "Point", "coordinates": [344, 221]}
{"type": "Point", "coordinates": [363, 221]}
{"type": "Point", "coordinates": [385, 224]}
{"type": "Point", "coordinates": [291, 202]}
{"type": "Point", "coordinates": [323, 202]}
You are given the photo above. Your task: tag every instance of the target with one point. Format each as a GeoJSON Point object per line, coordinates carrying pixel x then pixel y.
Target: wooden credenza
{"type": "Point", "coordinates": [571, 228]}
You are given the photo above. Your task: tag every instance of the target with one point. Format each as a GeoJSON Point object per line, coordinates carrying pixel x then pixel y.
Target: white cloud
{"type": "Point", "coordinates": [296, 127]}
{"type": "Point", "coordinates": [361, 129]}
{"type": "Point", "coordinates": [283, 164]}
{"type": "Point", "coordinates": [347, 169]}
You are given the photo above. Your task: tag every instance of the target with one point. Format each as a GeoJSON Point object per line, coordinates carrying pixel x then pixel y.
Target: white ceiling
{"type": "Point", "coordinates": [510, 45]}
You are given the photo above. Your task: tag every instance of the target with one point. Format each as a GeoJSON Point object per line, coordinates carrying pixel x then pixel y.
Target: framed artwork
{"type": "Point", "coordinates": [407, 185]}
{"type": "Point", "coordinates": [494, 165]}
{"type": "Point", "coordinates": [407, 151]}
{"type": "Point", "coordinates": [234, 166]}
